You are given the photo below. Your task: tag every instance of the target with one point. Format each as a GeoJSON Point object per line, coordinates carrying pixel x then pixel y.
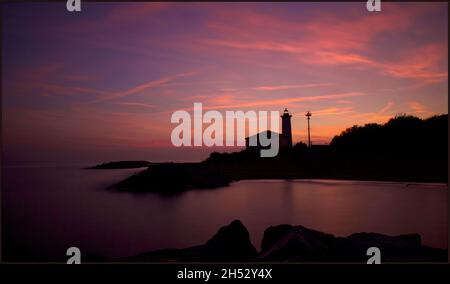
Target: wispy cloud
{"type": "Point", "coordinates": [387, 107]}
{"type": "Point", "coordinates": [418, 108]}
{"type": "Point", "coordinates": [54, 89]}
{"type": "Point", "coordinates": [425, 63]}
{"type": "Point", "coordinates": [135, 104]}
{"type": "Point", "coordinates": [287, 87]}
{"type": "Point", "coordinates": [349, 43]}
{"type": "Point", "coordinates": [333, 111]}
{"type": "Point", "coordinates": [282, 102]}
{"type": "Point", "coordinates": [142, 87]}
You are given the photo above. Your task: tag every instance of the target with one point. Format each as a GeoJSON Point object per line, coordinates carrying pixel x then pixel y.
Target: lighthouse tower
{"type": "Point", "coordinates": [286, 127]}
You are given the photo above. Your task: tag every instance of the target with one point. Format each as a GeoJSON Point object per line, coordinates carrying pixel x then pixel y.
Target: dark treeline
{"type": "Point", "coordinates": [406, 148]}
{"type": "Point", "coordinates": [400, 136]}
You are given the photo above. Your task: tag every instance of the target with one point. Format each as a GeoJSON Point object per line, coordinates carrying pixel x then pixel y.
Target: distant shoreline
{"type": "Point", "coordinates": [121, 165]}
{"type": "Point", "coordinates": [136, 164]}
{"type": "Point", "coordinates": [172, 178]}
{"type": "Point", "coordinates": [404, 149]}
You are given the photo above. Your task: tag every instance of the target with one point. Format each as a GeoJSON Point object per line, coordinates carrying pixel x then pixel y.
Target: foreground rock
{"type": "Point", "coordinates": [289, 243]}
{"type": "Point", "coordinates": [230, 243]}
{"type": "Point", "coordinates": [286, 243]}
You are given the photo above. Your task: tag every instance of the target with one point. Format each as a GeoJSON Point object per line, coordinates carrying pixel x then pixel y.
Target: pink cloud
{"type": "Point", "coordinates": [67, 91]}
{"type": "Point", "coordinates": [136, 104]}
{"type": "Point", "coordinates": [287, 87]}
{"type": "Point", "coordinates": [423, 63]}
{"type": "Point", "coordinates": [332, 40]}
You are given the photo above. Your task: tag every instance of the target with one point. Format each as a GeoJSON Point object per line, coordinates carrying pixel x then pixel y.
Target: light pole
{"type": "Point", "coordinates": [308, 116]}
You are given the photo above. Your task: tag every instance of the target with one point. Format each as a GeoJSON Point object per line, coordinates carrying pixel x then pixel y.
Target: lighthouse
{"type": "Point", "coordinates": [286, 130]}
{"type": "Point", "coordinates": [285, 137]}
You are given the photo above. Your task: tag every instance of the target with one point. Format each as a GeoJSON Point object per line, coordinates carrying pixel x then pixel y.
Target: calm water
{"type": "Point", "coordinates": [48, 209]}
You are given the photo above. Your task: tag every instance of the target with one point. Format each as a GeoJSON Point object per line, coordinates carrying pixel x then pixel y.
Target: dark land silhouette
{"type": "Point", "coordinates": [122, 165]}
{"type": "Point", "coordinates": [286, 243]}
{"type": "Point", "coordinates": [406, 149]}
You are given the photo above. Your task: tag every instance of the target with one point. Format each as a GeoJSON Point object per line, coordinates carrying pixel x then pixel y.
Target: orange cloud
{"type": "Point", "coordinates": [333, 111]}
{"type": "Point", "coordinates": [418, 108]}
{"type": "Point", "coordinates": [336, 58]}
{"type": "Point", "coordinates": [284, 101]}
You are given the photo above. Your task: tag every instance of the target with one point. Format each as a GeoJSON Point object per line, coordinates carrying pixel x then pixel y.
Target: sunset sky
{"type": "Point", "coordinates": [102, 84]}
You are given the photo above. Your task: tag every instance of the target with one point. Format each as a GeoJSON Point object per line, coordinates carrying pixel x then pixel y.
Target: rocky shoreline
{"type": "Point", "coordinates": [172, 178]}
{"type": "Point", "coordinates": [287, 243]}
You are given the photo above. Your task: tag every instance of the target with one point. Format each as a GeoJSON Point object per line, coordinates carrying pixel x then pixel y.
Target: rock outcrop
{"type": "Point", "coordinates": [286, 243]}
{"type": "Point", "coordinates": [297, 243]}
{"type": "Point", "coordinates": [230, 243]}
{"type": "Point", "coordinates": [173, 178]}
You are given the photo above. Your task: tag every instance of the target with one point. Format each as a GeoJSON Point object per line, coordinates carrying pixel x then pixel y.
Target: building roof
{"type": "Point", "coordinates": [268, 135]}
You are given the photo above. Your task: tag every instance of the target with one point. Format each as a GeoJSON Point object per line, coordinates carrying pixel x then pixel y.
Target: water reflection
{"type": "Point", "coordinates": [46, 210]}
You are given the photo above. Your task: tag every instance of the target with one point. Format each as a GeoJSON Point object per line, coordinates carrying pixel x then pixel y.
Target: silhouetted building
{"type": "Point", "coordinates": [285, 142]}
{"type": "Point", "coordinates": [285, 138]}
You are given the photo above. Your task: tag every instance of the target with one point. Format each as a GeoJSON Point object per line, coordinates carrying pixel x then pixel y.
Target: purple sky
{"type": "Point", "coordinates": [102, 84]}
